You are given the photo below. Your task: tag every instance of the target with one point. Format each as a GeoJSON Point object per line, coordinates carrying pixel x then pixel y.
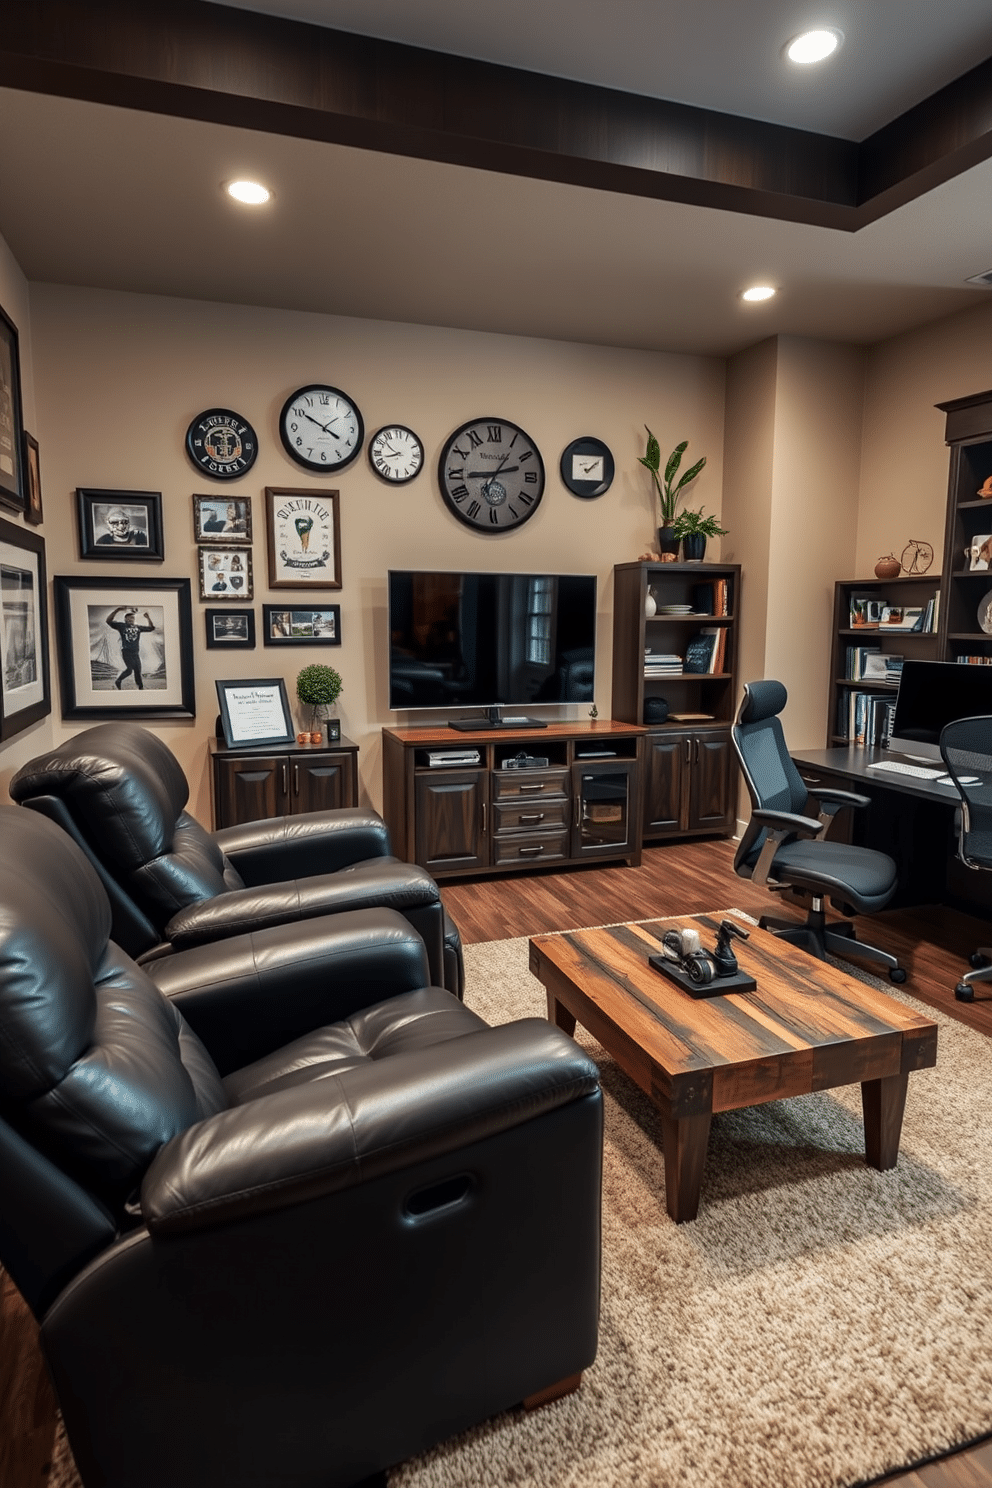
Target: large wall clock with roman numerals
{"type": "Point", "coordinates": [491, 475]}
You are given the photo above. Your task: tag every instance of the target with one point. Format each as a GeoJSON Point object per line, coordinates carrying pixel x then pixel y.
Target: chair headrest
{"type": "Point", "coordinates": [762, 700]}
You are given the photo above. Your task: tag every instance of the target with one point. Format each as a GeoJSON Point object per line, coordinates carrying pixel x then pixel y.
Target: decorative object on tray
{"type": "Point", "coordinates": [304, 538]}
{"type": "Point", "coordinates": [668, 489]}
{"type": "Point", "coordinates": [986, 489]}
{"type": "Point", "coordinates": [985, 613]}
{"type": "Point", "coordinates": [587, 467]}
{"type": "Point", "coordinates": [125, 649]}
{"type": "Point", "coordinates": [917, 557]}
{"type": "Point", "coordinates": [32, 481]}
{"type": "Point", "coordinates": [122, 526]}
{"type": "Point", "coordinates": [225, 574]}
{"type": "Point", "coordinates": [230, 630]}
{"type": "Point", "coordinates": [220, 521]}
{"type": "Point", "coordinates": [221, 444]}
{"type": "Point", "coordinates": [888, 567]}
{"type": "Point", "coordinates": [692, 529]}
{"type": "Point", "coordinates": [255, 710]}
{"type": "Point", "coordinates": [318, 688]}
{"type": "Point", "coordinates": [699, 972]}
{"type": "Point", "coordinates": [11, 418]}
{"type": "Point", "coordinates": [301, 627]}
{"type": "Point", "coordinates": [321, 428]}
{"type": "Point", "coordinates": [25, 694]}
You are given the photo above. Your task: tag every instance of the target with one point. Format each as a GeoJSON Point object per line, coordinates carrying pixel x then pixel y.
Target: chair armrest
{"type": "Point", "coordinates": [378, 883]}
{"type": "Point", "coordinates": [310, 1140]}
{"type": "Point", "coordinates": [787, 821]}
{"type": "Point", "coordinates": [251, 994]}
{"type": "Point", "coordinates": [838, 798]}
{"type": "Point", "coordinates": [316, 842]}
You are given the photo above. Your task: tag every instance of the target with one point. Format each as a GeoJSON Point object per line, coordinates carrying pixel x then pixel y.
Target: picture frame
{"type": "Point", "coordinates": [228, 522]}
{"type": "Point", "coordinates": [110, 667]}
{"type": "Point", "coordinates": [120, 526]}
{"type": "Point", "coordinates": [226, 575]}
{"type": "Point", "coordinates": [979, 553]}
{"type": "Point", "coordinates": [32, 481]}
{"type": "Point", "coordinates": [25, 690]}
{"type": "Point", "coordinates": [255, 710]}
{"type": "Point", "coordinates": [304, 538]}
{"type": "Point", "coordinates": [11, 417]}
{"type": "Point", "coordinates": [230, 630]}
{"type": "Point", "coordinates": [283, 625]}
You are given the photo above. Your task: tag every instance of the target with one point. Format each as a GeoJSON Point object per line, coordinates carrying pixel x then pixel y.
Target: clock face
{"type": "Point", "coordinates": [396, 454]}
{"type": "Point", "coordinates": [321, 428]}
{"type": "Point", "coordinates": [491, 475]}
{"type": "Point", "coordinates": [222, 444]}
{"type": "Point", "coordinates": [587, 467]}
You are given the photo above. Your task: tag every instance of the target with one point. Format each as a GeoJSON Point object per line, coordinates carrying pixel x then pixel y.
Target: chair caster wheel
{"type": "Point", "coordinates": [896, 974]}
{"type": "Point", "coordinates": [977, 961]}
{"type": "Point", "coordinates": [964, 993]}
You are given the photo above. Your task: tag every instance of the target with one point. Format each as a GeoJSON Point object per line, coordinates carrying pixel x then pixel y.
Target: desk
{"type": "Point", "coordinates": [910, 819]}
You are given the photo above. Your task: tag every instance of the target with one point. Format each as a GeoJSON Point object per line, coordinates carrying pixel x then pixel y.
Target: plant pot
{"type": "Point", "coordinates": [693, 548]}
{"type": "Point", "coordinates": [668, 541]}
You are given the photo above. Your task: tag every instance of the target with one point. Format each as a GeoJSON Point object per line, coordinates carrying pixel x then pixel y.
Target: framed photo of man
{"type": "Point", "coordinates": [225, 575]}
{"type": "Point", "coordinates": [125, 650]}
{"type": "Point", "coordinates": [25, 695]}
{"type": "Point", "coordinates": [120, 526]}
{"type": "Point", "coordinates": [217, 521]}
{"type": "Point", "coordinates": [11, 418]}
{"type": "Point", "coordinates": [304, 532]}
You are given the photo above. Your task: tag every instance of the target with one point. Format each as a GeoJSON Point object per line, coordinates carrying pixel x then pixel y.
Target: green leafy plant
{"type": "Point", "coordinates": [694, 524]}
{"type": "Point", "coordinates": [318, 686]}
{"type": "Point", "coordinates": [667, 487]}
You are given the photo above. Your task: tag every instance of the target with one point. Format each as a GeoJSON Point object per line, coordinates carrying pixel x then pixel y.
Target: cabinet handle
{"type": "Point", "coordinates": [688, 751]}
{"type": "Point", "coordinates": [483, 818]}
{"type": "Point", "coordinates": [531, 816]}
{"type": "Point", "coordinates": [811, 779]}
{"type": "Point", "coordinates": [578, 811]}
{"type": "Point", "coordinates": [530, 852]}
{"type": "Point", "coordinates": [539, 786]}
{"type": "Point", "coordinates": [296, 780]}
{"type": "Point", "coordinates": [697, 751]}
{"type": "Point", "coordinates": [285, 779]}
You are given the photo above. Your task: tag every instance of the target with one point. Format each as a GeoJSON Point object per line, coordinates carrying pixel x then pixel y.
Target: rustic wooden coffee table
{"type": "Point", "coordinates": [807, 1027]}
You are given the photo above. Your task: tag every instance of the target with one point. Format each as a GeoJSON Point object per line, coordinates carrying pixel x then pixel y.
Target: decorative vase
{"type": "Point", "coordinates": [668, 541]}
{"type": "Point", "coordinates": [650, 607]}
{"type": "Point", "coordinates": [693, 548]}
{"type": "Point", "coordinates": [888, 567]}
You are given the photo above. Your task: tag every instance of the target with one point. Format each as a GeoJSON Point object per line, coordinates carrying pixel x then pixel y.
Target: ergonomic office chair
{"type": "Point", "coordinates": [966, 747]}
{"type": "Point", "coordinates": [782, 846]}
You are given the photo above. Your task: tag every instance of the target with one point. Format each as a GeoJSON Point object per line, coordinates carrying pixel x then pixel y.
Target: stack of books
{"type": "Point", "coordinates": [712, 598]}
{"type": "Point", "coordinates": [865, 717]}
{"type": "Point", "coordinates": [705, 652]}
{"type": "Point", "coordinates": [662, 664]}
{"type": "Point", "coordinates": [975, 660]}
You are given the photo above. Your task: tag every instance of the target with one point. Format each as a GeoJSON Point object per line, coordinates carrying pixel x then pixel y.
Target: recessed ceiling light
{"type": "Point", "coordinates": [252, 193]}
{"type": "Point", "coordinates": [757, 292]}
{"type": "Point", "coordinates": [813, 46]}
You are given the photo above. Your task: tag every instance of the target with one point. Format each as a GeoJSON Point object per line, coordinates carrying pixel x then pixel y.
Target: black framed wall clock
{"type": "Point", "coordinates": [396, 454]}
{"type": "Point", "coordinates": [321, 428]}
{"type": "Point", "coordinates": [222, 444]}
{"type": "Point", "coordinates": [491, 475]}
{"type": "Point", "coordinates": [587, 467]}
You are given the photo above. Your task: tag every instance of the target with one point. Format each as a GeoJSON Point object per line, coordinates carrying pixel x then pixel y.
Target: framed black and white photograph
{"type": "Point", "coordinates": [225, 574]}
{"type": "Point", "coordinates": [285, 627]}
{"type": "Point", "coordinates": [216, 521]}
{"type": "Point", "coordinates": [125, 650]}
{"type": "Point", "coordinates": [230, 630]}
{"type": "Point", "coordinates": [255, 710]}
{"type": "Point", "coordinates": [120, 525]}
{"type": "Point", "coordinates": [25, 695]}
{"type": "Point", "coordinates": [32, 481]}
{"type": "Point", "coordinates": [304, 532]}
{"type": "Point", "coordinates": [11, 418]}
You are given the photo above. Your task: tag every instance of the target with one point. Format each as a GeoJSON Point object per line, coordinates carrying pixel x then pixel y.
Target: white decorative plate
{"type": "Point", "coordinates": [985, 613]}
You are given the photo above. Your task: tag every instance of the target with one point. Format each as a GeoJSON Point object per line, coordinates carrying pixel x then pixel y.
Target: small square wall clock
{"type": "Point", "coordinates": [587, 467]}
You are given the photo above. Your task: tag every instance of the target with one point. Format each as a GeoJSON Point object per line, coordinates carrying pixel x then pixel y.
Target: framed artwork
{"type": "Point", "coordinates": [25, 694]}
{"type": "Point", "coordinates": [230, 630]}
{"type": "Point", "coordinates": [123, 526]}
{"type": "Point", "coordinates": [32, 478]}
{"type": "Point", "coordinates": [216, 521]}
{"type": "Point", "coordinates": [255, 711]}
{"type": "Point", "coordinates": [125, 649]}
{"type": "Point", "coordinates": [304, 532]}
{"type": "Point", "coordinates": [225, 574]}
{"type": "Point", "coordinates": [11, 418]}
{"type": "Point", "coordinates": [283, 627]}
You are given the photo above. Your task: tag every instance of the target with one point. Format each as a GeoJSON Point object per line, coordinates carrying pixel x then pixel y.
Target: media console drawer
{"type": "Point", "coordinates": [508, 784]}
{"type": "Point", "coordinates": [532, 847]}
{"type": "Point", "coordinates": [540, 814]}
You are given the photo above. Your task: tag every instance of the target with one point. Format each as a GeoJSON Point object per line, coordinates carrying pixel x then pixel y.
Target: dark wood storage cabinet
{"type": "Point", "coordinates": [584, 804]}
{"type": "Point", "coordinates": [687, 782]}
{"type": "Point", "coordinates": [256, 784]}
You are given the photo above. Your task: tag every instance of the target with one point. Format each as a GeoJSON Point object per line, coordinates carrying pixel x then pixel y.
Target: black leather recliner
{"type": "Point", "coordinates": [277, 1230]}
{"type": "Point", "coordinates": [120, 792]}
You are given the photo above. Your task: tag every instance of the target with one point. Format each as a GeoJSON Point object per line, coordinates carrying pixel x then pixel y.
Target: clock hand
{"type": "Point", "coordinates": [479, 474]}
{"type": "Point", "coordinates": [326, 427]}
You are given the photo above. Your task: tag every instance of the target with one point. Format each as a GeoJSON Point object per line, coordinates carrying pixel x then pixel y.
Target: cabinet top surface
{"type": "Point", "coordinates": [704, 570]}
{"type": "Point", "coordinates": [438, 734]}
{"type": "Point", "coordinates": [333, 746]}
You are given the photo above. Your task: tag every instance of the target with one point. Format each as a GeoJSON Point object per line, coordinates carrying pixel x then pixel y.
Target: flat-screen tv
{"type": "Point", "coordinates": [488, 640]}
{"type": "Point", "coordinates": [932, 693]}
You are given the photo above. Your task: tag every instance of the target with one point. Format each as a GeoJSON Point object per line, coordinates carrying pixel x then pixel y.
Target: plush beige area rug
{"type": "Point", "coordinates": [818, 1324]}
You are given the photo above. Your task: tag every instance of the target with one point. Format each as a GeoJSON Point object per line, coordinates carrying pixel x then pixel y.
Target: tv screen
{"type": "Point", "coordinates": [481, 640]}
{"type": "Point", "coordinates": [932, 693]}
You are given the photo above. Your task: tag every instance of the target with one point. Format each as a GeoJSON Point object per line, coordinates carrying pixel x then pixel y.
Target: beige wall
{"type": "Point", "coordinates": [119, 377]}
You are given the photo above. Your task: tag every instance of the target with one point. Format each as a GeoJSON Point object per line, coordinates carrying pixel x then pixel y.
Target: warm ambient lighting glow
{"type": "Point", "coordinates": [813, 46]}
{"type": "Point", "coordinates": [252, 193]}
{"type": "Point", "coordinates": [757, 292]}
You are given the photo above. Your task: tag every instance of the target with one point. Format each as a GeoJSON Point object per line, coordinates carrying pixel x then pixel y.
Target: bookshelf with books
{"type": "Point", "coordinates": [683, 652]}
{"type": "Point", "coordinates": [878, 623]}
{"type": "Point", "coordinates": [968, 531]}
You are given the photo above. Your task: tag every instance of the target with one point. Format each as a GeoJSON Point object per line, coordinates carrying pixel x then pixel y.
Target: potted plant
{"type": "Point", "coordinates": [669, 490]}
{"type": "Point", "coordinates": [692, 528]}
{"type": "Point", "coordinates": [318, 688]}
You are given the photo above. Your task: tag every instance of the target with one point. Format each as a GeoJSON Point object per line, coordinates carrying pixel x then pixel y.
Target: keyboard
{"type": "Point", "coordinates": [920, 771]}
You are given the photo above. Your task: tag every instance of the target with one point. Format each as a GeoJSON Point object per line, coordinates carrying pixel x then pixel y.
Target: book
{"type": "Point", "coordinates": [700, 650]}
{"type": "Point", "coordinates": [691, 717]}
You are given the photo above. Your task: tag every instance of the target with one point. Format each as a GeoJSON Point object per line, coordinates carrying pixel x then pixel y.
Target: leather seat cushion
{"type": "Point", "coordinates": [415, 1020]}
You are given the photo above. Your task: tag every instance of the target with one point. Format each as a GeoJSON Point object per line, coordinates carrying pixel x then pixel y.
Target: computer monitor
{"type": "Point", "coordinates": [932, 693]}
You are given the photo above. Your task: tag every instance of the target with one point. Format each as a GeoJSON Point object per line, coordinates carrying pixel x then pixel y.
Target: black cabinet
{"type": "Point", "coordinates": [257, 784]}
{"type": "Point", "coordinates": [687, 783]}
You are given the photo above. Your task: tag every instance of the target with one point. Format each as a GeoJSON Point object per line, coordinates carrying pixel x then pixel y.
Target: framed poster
{"type": "Point", "coordinates": [304, 534]}
{"type": "Point", "coordinates": [230, 630]}
{"type": "Point", "coordinates": [255, 711]}
{"type": "Point", "coordinates": [225, 574]}
{"type": "Point", "coordinates": [32, 479]}
{"type": "Point", "coordinates": [25, 694]}
{"type": "Point", "coordinates": [216, 521]}
{"type": "Point", "coordinates": [11, 418]}
{"type": "Point", "coordinates": [125, 526]}
{"type": "Point", "coordinates": [125, 649]}
{"type": "Point", "coordinates": [282, 627]}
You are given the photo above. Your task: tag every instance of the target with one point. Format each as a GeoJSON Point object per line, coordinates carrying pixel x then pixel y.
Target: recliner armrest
{"type": "Point", "coordinates": [302, 846]}
{"type": "Point", "coordinates": [787, 821]}
{"type": "Point", "coordinates": [310, 1140]}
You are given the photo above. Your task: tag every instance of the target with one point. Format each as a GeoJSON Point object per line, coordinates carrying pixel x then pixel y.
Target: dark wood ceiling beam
{"type": "Point", "coordinates": [195, 60]}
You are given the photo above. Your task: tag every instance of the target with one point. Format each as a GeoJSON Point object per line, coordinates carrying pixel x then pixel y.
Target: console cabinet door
{"type": "Point", "coordinates": [666, 773]}
{"type": "Point", "coordinates": [323, 783]}
{"type": "Point", "coordinates": [247, 790]}
{"type": "Point", "coordinates": [452, 819]}
{"type": "Point", "coordinates": [710, 808]}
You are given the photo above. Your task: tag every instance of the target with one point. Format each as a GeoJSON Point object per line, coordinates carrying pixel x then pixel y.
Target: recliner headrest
{"type": "Point", "coordinates": [762, 700]}
{"type": "Point", "coordinates": [124, 788]}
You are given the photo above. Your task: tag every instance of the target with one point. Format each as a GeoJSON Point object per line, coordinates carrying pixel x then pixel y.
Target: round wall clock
{"type": "Point", "coordinates": [396, 454]}
{"type": "Point", "coordinates": [222, 444]}
{"type": "Point", "coordinates": [321, 428]}
{"type": "Point", "coordinates": [491, 475]}
{"type": "Point", "coordinates": [587, 467]}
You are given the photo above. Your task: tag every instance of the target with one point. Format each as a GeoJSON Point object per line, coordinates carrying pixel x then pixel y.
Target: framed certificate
{"type": "Point", "coordinates": [255, 711]}
{"type": "Point", "coordinates": [304, 534]}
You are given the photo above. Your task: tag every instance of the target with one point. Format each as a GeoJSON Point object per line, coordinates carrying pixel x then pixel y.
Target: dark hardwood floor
{"type": "Point", "coordinates": [932, 943]}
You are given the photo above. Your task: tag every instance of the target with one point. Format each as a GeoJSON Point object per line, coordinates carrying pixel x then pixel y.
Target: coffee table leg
{"type": "Point", "coordinates": [685, 1142]}
{"type": "Point", "coordinates": [558, 1013]}
{"type": "Point", "coordinates": [883, 1102]}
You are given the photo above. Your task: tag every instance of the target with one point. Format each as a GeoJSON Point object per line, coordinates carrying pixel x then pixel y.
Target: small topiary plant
{"type": "Point", "coordinates": [318, 686]}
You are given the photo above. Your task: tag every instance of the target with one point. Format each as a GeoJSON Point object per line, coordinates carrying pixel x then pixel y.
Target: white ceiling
{"type": "Point", "coordinates": [719, 54]}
